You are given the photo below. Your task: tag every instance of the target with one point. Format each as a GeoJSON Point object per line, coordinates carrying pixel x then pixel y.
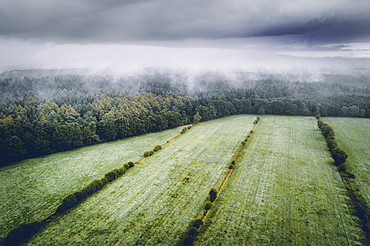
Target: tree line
{"type": "Point", "coordinates": [40, 116]}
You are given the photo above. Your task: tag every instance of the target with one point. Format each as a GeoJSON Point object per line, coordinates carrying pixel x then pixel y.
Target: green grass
{"type": "Point", "coordinates": [353, 136]}
{"type": "Point", "coordinates": [155, 201]}
{"type": "Point", "coordinates": [32, 189]}
{"type": "Point", "coordinates": [284, 190]}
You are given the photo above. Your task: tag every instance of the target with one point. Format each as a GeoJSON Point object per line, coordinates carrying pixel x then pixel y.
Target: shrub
{"type": "Point", "coordinates": [243, 143]}
{"type": "Point", "coordinates": [342, 168]}
{"type": "Point", "coordinates": [127, 166]}
{"type": "Point", "coordinates": [121, 170]}
{"type": "Point", "coordinates": [213, 194]}
{"type": "Point", "coordinates": [67, 203]}
{"type": "Point", "coordinates": [233, 162]}
{"type": "Point", "coordinates": [188, 241]}
{"type": "Point", "coordinates": [151, 152]}
{"type": "Point", "coordinates": [332, 144]}
{"type": "Point", "coordinates": [231, 166]}
{"type": "Point", "coordinates": [197, 224]}
{"type": "Point", "coordinates": [251, 131]}
{"type": "Point", "coordinates": [246, 140]}
{"type": "Point", "coordinates": [22, 232]}
{"type": "Point", "coordinates": [189, 127]}
{"type": "Point", "coordinates": [258, 118]}
{"type": "Point", "coordinates": [112, 175]}
{"type": "Point", "coordinates": [130, 164]}
{"type": "Point", "coordinates": [156, 148]}
{"type": "Point", "coordinates": [193, 232]}
{"type": "Point", "coordinates": [255, 122]}
{"type": "Point", "coordinates": [104, 181]}
{"type": "Point", "coordinates": [339, 156]}
{"type": "Point", "coordinates": [80, 195]}
{"type": "Point", "coordinates": [146, 153]}
{"type": "Point", "coordinates": [208, 206]}
{"type": "Point", "coordinates": [93, 187]}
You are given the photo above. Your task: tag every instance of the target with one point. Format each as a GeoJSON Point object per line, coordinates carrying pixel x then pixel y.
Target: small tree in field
{"type": "Point", "coordinates": [213, 194]}
{"type": "Point", "coordinates": [339, 156]}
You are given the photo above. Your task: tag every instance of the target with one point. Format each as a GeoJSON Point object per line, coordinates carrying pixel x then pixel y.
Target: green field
{"type": "Point", "coordinates": [32, 189]}
{"type": "Point", "coordinates": [155, 201]}
{"type": "Point", "coordinates": [285, 190]}
{"type": "Point", "coordinates": [353, 136]}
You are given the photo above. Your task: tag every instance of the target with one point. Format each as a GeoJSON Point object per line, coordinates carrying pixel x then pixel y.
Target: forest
{"type": "Point", "coordinates": [49, 114]}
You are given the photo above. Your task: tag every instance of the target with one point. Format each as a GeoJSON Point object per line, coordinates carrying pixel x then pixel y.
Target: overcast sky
{"type": "Point", "coordinates": [131, 34]}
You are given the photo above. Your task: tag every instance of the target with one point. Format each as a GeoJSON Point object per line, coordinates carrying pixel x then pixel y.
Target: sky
{"type": "Point", "coordinates": [124, 36]}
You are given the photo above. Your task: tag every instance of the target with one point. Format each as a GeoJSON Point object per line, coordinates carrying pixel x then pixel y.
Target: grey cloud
{"type": "Point", "coordinates": [114, 21]}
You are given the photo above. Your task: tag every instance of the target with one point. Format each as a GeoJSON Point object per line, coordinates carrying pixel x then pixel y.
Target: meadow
{"type": "Point", "coordinates": [284, 190]}
{"type": "Point", "coordinates": [353, 135]}
{"type": "Point", "coordinates": [154, 202]}
{"type": "Point", "coordinates": [32, 189]}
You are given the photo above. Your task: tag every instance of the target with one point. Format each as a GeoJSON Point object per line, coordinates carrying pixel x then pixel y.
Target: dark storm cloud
{"type": "Point", "coordinates": [113, 21]}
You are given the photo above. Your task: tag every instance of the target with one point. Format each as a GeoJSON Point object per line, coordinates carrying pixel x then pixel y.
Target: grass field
{"type": "Point", "coordinates": [154, 202]}
{"type": "Point", "coordinates": [284, 191]}
{"type": "Point", "coordinates": [353, 136]}
{"type": "Point", "coordinates": [33, 188]}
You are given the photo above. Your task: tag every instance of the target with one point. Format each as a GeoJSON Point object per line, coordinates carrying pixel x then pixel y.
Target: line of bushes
{"type": "Point", "coordinates": [24, 231]}
{"type": "Point", "coordinates": [151, 152]}
{"type": "Point", "coordinates": [185, 129]}
{"type": "Point", "coordinates": [340, 156]}
{"type": "Point", "coordinates": [192, 232]}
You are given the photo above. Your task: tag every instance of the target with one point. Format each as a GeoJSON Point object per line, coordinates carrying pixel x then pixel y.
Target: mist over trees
{"type": "Point", "coordinates": [48, 114]}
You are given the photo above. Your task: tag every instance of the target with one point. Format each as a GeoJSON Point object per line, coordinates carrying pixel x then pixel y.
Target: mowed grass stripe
{"type": "Point", "coordinates": [284, 190]}
{"type": "Point", "coordinates": [139, 208]}
{"type": "Point", "coordinates": [32, 189]}
{"type": "Point", "coordinates": [353, 136]}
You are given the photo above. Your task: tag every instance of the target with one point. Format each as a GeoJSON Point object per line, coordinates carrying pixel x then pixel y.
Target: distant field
{"type": "Point", "coordinates": [33, 188]}
{"type": "Point", "coordinates": [353, 136]}
{"type": "Point", "coordinates": [155, 201]}
{"type": "Point", "coordinates": [284, 191]}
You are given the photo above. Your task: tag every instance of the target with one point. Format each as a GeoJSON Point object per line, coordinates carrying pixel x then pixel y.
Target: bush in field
{"type": "Point", "coordinates": [21, 233]}
{"type": "Point", "coordinates": [193, 232]}
{"type": "Point", "coordinates": [231, 166]}
{"type": "Point", "coordinates": [156, 148]}
{"type": "Point", "coordinates": [67, 203]}
{"type": "Point", "coordinates": [251, 131]}
{"type": "Point", "coordinates": [146, 153]}
{"type": "Point", "coordinates": [246, 140]}
{"type": "Point", "coordinates": [197, 224]}
{"type": "Point", "coordinates": [93, 187]}
{"type": "Point", "coordinates": [105, 181]}
{"type": "Point", "coordinates": [151, 152]}
{"type": "Point", "coordinates": [188, 241]}
{"type": "Point", "coordinates": [342, 168]}
{"type": "Point", "coordinates": [130, 164]}
{"type": "Point", "coordinates": [121, 170]}
{"type": "Point", "coordinates": [208, 206]}
{"type": "Point", "coordinates": [127, 166]}
{"type": "Point", "coordinates": [339, 156]}
{"type": "Point", "coordinates": [80, 195]}
{"type": "Point", "coordinates": [255, 122]}
{"type": "Point", "coordinates": [332, 144]}
{"type": "Point", "coordinates": [112, 175]}
{"type": "Point", "coordinates": [319, 123]}
{"type": "Point", "coordinates": [243, 143]}
{"type": "Point", "coordinates": [189, 127]}
{"type": "Point", "coordinates": [213, 194]}
{"type": "Point", "coordinates": [233, 162]}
